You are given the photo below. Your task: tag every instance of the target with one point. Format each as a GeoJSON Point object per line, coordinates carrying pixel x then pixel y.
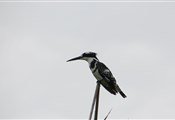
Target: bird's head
{"type": "Point", "coordinates": [87, 56]}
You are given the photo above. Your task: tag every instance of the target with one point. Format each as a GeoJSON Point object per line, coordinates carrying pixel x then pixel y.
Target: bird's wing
{"type": "Point", "coordinates": [106, 73]}
{"type": "Point", "coordinates": [108, 80]}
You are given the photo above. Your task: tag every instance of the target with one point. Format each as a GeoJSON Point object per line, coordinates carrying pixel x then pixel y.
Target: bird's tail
{"type": "Point", "coordinates": [122, 94]}
{"type": "Point", "coordinates": [117, 89]}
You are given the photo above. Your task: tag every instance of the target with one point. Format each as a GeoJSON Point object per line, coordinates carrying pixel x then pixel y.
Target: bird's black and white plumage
{"type": "Point", "coordinates": [101, 73]}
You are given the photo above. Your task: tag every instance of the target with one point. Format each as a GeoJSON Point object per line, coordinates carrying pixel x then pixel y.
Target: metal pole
{"type": "Point", "coordinates": [93, 102]}
{"type": "Point", "coordinates": [97, 102]}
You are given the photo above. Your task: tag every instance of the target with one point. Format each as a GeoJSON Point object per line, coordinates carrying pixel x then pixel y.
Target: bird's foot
{"type": "Point", "coordinates": [99, 81]}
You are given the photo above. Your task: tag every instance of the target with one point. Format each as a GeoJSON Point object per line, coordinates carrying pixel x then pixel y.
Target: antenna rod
{"type": "Point", "coordinates": [94, 100]}
{"type": "Point", "coordinates": [97, 102]}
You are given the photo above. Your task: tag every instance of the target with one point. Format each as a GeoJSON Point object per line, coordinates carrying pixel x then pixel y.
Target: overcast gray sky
{"type": "Point", "coordinates": [135, 40]}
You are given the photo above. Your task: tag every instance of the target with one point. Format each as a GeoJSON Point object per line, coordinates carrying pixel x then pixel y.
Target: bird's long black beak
{"type": "Point", "coordinates": [76, 58]}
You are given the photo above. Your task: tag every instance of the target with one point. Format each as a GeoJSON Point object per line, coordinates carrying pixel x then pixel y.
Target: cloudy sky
{"type": "Point", "coordinates": [135, 40]}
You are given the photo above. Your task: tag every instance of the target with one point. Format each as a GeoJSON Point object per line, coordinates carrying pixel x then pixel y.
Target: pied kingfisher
{"type": "Point", "coordinates": [101, 72]}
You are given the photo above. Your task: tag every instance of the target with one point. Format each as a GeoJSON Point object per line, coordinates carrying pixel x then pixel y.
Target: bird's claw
{"type": "Point", "coordinates": [99, 81]}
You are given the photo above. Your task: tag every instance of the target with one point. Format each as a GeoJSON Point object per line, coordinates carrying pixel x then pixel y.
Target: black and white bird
{"type": "Point", "coordinates": [101, 72]}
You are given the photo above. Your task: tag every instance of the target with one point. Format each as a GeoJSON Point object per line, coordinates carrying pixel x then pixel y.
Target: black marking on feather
{"type": "Point", "coordinates": [92, 65]}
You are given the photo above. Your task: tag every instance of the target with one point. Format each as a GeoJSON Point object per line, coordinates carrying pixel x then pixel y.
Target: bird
{"type": "Point", "coordinates": [102, 73]}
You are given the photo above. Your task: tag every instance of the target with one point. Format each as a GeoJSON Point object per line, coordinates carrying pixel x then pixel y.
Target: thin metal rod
{"type": "Point", "coordinates": [108, 114]}
{"type": "Point", "coordinates": [93, 102]}
{"type": "Point", "coordinates": [97, 102]}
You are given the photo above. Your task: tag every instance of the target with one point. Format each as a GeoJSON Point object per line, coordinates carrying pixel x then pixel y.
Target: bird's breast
{"type": "Point", "coordinates": [97, 75]}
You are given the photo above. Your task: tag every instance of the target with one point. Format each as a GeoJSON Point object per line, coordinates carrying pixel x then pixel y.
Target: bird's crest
{"type": "Point", "coordinates": [90, 54]}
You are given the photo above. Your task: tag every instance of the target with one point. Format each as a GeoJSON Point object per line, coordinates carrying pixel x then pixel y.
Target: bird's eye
{"type": "Point", "coordinates": [84, 54]}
